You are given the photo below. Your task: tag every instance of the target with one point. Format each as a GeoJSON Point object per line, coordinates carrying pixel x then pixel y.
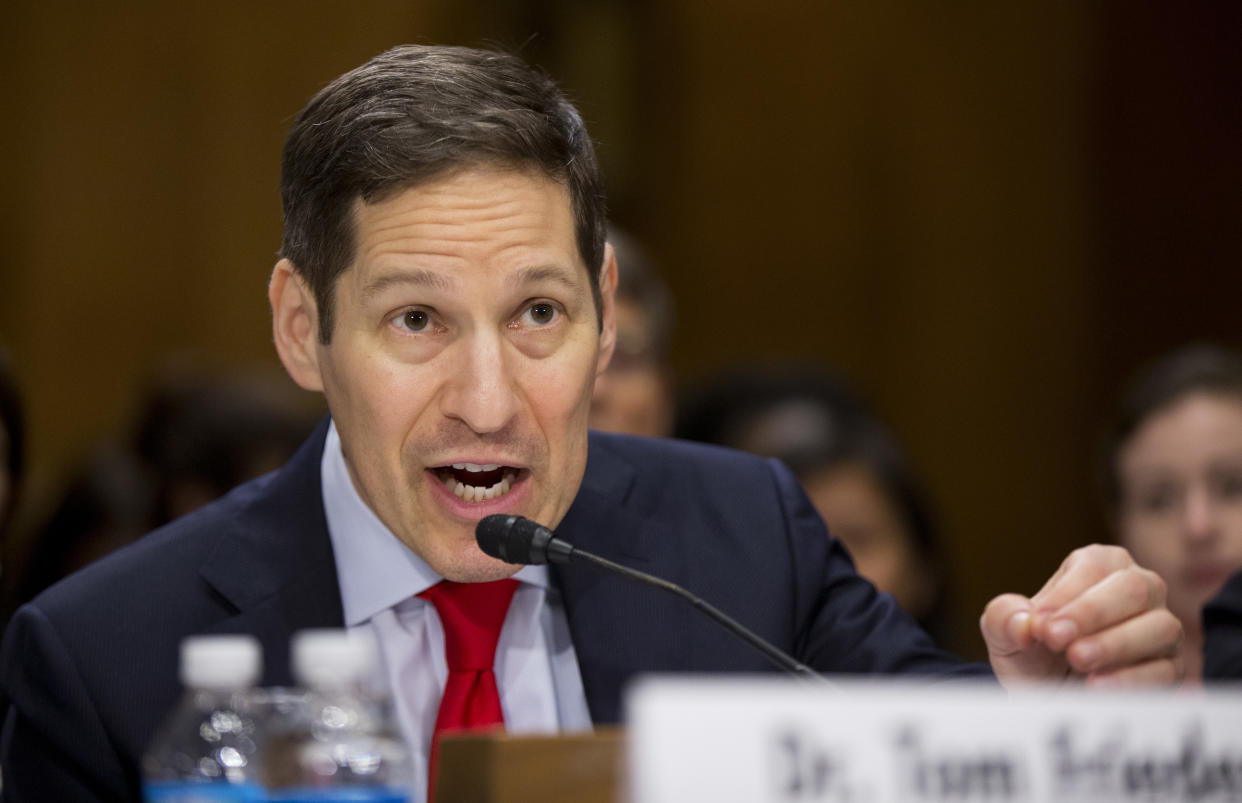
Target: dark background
{"type": "Point", "coordinates": [986, 215]}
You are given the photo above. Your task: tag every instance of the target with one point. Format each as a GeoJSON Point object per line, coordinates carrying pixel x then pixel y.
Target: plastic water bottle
{"type": "Point", "coordinates": [346, 746]}
{"type": "Point", "coordinates": [208, 748]}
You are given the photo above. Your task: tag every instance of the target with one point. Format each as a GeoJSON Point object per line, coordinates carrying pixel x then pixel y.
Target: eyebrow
{"type": "Point", "coordinates": [546, 273]}
{"type": "Point", "coordinates": [536, 274]}
{"type": "Point", "coordinates": [418, 278]}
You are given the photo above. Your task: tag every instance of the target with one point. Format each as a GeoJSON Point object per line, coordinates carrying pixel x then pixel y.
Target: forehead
{"type": "Point", "coordinates": [486, 214]}
{"type": "Point", "coordinates": [1197, 425]}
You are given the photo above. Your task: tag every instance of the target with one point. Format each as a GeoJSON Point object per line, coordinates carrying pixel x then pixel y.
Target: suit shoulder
{"type": "Point", "coordinates": [162, 562]}
{"type": "Point", "coordinates": [705, 470]}
{"type": "Point", "coordinates": [671, 453]}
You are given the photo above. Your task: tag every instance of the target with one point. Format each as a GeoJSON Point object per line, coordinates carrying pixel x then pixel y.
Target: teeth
{"type": "Point", "coordinates": [475, 467]}
{"type": "Point", "coordinates": [471, 493]}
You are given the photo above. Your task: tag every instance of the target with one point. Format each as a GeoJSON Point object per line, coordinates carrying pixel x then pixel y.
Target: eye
{"type": "Point", "coordinates": [1157, 499]}
{"type": "Point", "coordinates": [1228, 485]}
{"type": "Point", "coordinates": [413, 320]}
{"type": "Point", "coordinates": [541, 313]}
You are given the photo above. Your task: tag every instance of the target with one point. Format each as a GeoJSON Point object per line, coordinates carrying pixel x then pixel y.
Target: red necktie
{"type": "Point", "coordinates": [472, 615]}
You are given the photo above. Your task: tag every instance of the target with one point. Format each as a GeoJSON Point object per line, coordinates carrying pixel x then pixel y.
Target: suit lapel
{"type": "Point", "coordinates": [275, 565]}
{"type": "Point", "coordinates": [619, 627]}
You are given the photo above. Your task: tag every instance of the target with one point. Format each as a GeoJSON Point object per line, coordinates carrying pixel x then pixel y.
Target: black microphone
{"type": "Point", "coordinates": [515, 539]}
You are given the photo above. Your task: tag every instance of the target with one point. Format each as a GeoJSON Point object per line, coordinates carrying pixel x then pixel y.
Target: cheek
{"type": "Point", "coordinates": [557, 395]}
{"type": "Point", "coordinates": [883, 564]}
{"type": "Point", "coordinates": [375, 404]}
{"type": "Point", "coordinates": [1231, 533]}
{"type": "Point", "coordinates": [877, 568]}
{"type": "Point", "coordinates": [637, 389]}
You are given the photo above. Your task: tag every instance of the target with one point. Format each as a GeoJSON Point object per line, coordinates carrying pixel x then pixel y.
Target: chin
{"type": "Point", "coordinates": [475, 568]}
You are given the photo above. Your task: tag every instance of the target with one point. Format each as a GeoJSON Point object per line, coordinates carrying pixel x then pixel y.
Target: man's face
{"type": "Point", "coordinates": [462, 359]}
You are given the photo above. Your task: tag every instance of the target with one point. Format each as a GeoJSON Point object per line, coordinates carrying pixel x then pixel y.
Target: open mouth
{"type": "Point", "coordinates": [475, 482]}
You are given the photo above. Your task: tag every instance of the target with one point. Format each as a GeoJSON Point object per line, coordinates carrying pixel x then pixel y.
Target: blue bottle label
{"type": "Point", "coordinates": [191, 792]}
{"type": "Point", "coordinates": [343, 794]}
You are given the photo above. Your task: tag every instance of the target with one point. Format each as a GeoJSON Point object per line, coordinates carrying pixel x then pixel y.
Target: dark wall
{"type": "Point", "coordinates": [984, 215]}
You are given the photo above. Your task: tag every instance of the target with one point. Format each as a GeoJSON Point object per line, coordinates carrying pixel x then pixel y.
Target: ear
{"type": "Point", "coordinates": [295, 325]}
{"type": "Point", "coordinates": [608, 309]}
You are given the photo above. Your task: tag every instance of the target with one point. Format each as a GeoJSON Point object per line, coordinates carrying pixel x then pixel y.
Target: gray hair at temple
{"type": "Point", "coordinates": [414, 114]}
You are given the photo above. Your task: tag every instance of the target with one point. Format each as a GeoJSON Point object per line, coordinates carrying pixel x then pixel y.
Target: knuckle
{"type": "Point", "coordinates": [1078, 555]}
{"type": "Point", "coordinates": [1099, 556]}
{"type": "Point", "coordinates": [1115, 555]}
{"type": "Point", "coordinates": [1159, 587]}
{"type": "Point", "coordinates": [1089, 610]}
{"type": "Point", "coordinates": [1174, 634]}
{"type": "Point", "coordinates": [1137, 589]}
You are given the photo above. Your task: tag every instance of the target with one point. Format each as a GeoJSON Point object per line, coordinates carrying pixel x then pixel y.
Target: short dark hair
{"type": "Point", "coordinates": [835, 427]}
{"type": "Point", "coordinates": [411, 115]}
{"type": "Point", "coordinates": [1195, 369]}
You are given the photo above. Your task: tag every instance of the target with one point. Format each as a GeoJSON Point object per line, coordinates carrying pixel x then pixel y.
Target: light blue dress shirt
{"type": "Point", "coordinates": [536, 667]}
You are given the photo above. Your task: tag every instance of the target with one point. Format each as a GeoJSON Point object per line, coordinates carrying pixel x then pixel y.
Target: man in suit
{"type": "Point", "coordinates": [444, 281]}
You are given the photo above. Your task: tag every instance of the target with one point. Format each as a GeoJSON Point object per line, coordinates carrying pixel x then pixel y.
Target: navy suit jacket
{"type": "Point", "coordinates": [1222, 633]}
{"type": "Point", "coordinates": [90, 666]}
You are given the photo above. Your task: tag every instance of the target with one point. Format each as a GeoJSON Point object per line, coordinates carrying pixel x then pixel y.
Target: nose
{"type": "Point", "coordinates": [1200, 515]}
{"type": "Point", "coordinates": [480, 389]}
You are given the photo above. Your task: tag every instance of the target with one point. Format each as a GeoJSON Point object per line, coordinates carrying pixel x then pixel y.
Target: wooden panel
{"type": "Point", "coordinates": [500, 768]}
{"type": "Point", "coordinates": [904, 192]}
{"type": "Point", "coordinates": [898, 192]}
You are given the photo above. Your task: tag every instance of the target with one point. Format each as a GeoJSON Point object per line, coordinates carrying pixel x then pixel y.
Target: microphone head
{"type": "Point", "coordinates": [513, 539]}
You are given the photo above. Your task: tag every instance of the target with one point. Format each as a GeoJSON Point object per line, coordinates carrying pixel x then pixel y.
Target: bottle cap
{"type": "Point", "coordinates": [220, 662]}
{"type": "Point", "coordinates": [325, 658]}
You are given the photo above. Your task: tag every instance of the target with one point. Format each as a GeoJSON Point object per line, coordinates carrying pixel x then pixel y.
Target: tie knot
{"type": "Point", "coordinates": [472, 615]}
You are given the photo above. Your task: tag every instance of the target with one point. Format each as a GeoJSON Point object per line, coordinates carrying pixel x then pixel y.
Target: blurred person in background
{"type": "Point", "coordinates": [850, 466]}
{"type": "Point", "coordinates": [1174, 479]}
{"type": "Point", "coordinates": [12, 444]}
{"type": "Point", "coordinates": [197, 435]}
{"type": "Point", "coordinates": [103, 503]}
{"type": "Point", "coordinates": [203, 434]}
{"type": "Point", "coordinates": [635, 394]}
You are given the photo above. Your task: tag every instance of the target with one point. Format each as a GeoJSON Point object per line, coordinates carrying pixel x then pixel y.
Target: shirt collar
{"type": "Point", "coordinates": [374, 569]}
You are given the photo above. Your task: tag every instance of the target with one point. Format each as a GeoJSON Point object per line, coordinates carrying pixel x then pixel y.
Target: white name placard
{"type": "Point", "coordinates": [760, 740]}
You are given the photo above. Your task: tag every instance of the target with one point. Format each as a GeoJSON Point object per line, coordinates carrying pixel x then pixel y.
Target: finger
{"type": "Point", "coordinates": [1143, 638]}
{"type": "Point", "coordinates": [1159, 672]}
{"type": "Point", "coordinates": [1083, 568]}
{"type": "Point", "coordinates": [1005, 624]}
{"type": "Point", "coordinates": [1118, 597]}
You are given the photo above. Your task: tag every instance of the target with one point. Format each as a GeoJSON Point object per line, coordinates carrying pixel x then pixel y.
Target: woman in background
{"type": "Point", "coordinates": [1174, 472]}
